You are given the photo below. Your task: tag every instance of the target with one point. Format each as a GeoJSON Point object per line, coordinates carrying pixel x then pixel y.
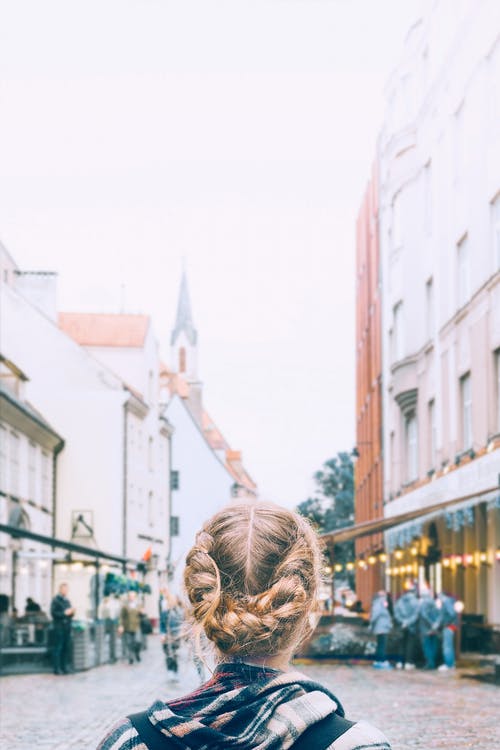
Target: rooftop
{"type": "Point", "coordinates": [105, 329]}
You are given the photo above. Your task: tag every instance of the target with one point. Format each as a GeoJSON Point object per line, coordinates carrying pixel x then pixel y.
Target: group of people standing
{"type": "Point", "coordinates": [423, 618]}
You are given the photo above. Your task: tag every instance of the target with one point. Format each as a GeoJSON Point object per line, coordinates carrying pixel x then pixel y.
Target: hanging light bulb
{"type": "Point", "coordinates": [382, 557]}
{"type": "Point", "coordinates": [398, 553]}
{"type": "Point", "coordinates": [372, 559]}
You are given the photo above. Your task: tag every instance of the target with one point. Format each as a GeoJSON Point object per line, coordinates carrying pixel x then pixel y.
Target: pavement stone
{"type": "Point", "coordinates": [426, 710]}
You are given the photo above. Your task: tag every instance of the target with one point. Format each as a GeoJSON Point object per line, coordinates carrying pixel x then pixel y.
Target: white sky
{"type": "Point", "coordinates": [239, 134]}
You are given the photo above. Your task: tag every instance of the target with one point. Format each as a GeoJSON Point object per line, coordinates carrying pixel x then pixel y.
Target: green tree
{"type": "Point", "coordinates": [332, 507]}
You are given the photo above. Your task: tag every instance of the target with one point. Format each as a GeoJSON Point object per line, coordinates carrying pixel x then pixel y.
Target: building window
{"type": "Point", "coordinates": [151, 513]}
{"type": "Point", "coordinates": [398, 332]}
{"type": "Point", "coordinates": [174, 525]}
{"type": "Point", "coordinates": [432, 434]}
{"type": "Point", "coordinates": [14, 463]}
{"type": "Point", "coordinates": [45, 479]}
{"type": "Point", "coordinates": [495, 226]}
{"type": "Point", "coordinates": [174, 480]}
{"type": "Point", "coordinates": [182, 359]}
{"type": "Point", "coordinates": [429, 309]}
{"type": "Point", "coordinates": [411, 434]}
{"type": "Point", "coordinates": [466, 397]}
{"type": "Point", "coordinates": [31, 471]}
{"type": "Point", "coordinates": [497, 378]}
{"type": "Point", "coordinates": [150, 454]}
{"type": "Point", "coordinates": [463, 271]}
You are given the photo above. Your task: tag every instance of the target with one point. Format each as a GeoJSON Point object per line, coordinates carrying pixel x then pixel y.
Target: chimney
{"type": "Point", "coordinates": [40, 289]}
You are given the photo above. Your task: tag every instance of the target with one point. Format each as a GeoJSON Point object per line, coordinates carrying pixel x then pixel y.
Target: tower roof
{"type": "Point", "coordinates": [184, 319]}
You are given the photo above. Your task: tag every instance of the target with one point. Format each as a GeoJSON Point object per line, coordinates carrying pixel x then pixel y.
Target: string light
{"type": "Point", "coordinates": [372, 559]}
{"type": "Point", "coordinates": [398, 553]}
{"type": "Point", "coordinates": [382, 557]}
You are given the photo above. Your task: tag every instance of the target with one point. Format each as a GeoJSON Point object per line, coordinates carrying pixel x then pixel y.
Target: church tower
{"type": "Point", "coordinates": [184, 346]}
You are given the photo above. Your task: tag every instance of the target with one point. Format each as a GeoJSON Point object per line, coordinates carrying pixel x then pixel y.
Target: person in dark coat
{"type": "Point", "coordinates": [62, 614]}
{"type": "Point", "coordinates": [406, 612]}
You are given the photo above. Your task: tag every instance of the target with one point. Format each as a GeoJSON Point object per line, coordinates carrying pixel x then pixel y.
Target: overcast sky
{"type": "Point", "coordinates": [239, 135]}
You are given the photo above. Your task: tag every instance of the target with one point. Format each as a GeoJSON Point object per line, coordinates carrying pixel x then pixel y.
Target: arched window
{"type": "Point", "coordinates": [182, 359]}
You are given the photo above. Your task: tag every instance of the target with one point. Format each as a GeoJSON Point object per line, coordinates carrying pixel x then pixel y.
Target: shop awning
{"type": "Point", "coordinates": [79, 549]}
{"type": "Point", "coordinates": [383, 524]}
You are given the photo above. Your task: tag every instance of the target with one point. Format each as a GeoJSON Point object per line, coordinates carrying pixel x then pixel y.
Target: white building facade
{"type": "Point", "coordinates": [439, 158]}
{"type": "Point", "coordinates": [107, 425]}
{"type": "Point", "coordinates": [126, 345]}
{"type": "Point", "coordinates": [29, 448]}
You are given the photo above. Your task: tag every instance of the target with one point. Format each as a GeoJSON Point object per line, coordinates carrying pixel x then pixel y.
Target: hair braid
{"type": "Point", "coordinates": [252, 578]}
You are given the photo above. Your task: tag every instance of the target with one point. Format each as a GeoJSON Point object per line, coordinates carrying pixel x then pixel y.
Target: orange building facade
{"type": "Point", "coordinates": [368, 469]}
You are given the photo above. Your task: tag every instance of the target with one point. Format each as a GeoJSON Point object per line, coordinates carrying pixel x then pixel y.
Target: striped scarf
{"type": "Point", "coordinates": [248, 708]}
{"type": "Point", "coordinates": [245, 707]}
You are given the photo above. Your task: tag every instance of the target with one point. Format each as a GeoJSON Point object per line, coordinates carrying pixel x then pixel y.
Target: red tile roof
{"type": "Point", "coordinates": [96, 329]}
{"type": "Point", "coordinates": [214, 437]}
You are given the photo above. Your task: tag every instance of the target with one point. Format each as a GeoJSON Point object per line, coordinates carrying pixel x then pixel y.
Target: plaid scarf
{"type": "Point", "coordinates": [245, 707]}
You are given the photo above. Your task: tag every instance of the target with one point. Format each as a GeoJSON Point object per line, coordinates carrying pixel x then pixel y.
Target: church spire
{"type": "Point", "coordinates": [184, 319]}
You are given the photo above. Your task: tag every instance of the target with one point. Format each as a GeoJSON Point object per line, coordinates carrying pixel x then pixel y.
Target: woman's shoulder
{"type": "Point", "coordinates": [122, 736]}
{"type": "Point", "coordinates": [361, 736]}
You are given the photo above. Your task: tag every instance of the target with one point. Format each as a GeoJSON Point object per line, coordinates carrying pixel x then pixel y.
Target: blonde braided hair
{"type": "Point", "coordinates": [252, 578]}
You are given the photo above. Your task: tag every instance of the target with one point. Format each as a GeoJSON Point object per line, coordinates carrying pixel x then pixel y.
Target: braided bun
{"type": "Point", "coordinates": [252, 578]}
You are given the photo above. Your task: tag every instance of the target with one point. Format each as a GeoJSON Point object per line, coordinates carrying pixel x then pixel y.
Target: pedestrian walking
{"type": "Point", "coordinates": [449, 626]}
{"type": "Point", "coordinates": [145, 627]}
{"type": "Point", "coordinates": [109, 611]}
{"type": "Point", "coordinates": [252, 579]}
{"type": "Point", "coordinates": [429, 622]}
{"type": "Point", "coordinates": [406, 614]}
{"type": "Point", "coordinates": [130, 624]}
{"type": "Point", "coordinates": [173, 634]}
{"type": "Point", "coordinates": [381, 626]}
{"type": "Point", "coordinates": [62, 614]}
{"type": "Point", "coordinates": [162, 610]}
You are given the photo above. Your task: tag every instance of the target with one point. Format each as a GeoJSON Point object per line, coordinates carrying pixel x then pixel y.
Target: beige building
{"type": "Point", "coordinates": [439, 155]}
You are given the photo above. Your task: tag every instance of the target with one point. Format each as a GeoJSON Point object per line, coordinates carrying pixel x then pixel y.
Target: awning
{"type": "Point", "coordinates": [79, 549]}
{"type": "Point", "coordinates": [383, 524]}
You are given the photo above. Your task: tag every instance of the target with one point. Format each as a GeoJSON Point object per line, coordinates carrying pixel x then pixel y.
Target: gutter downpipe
{"type": "Point", "coordinates": [57, 450]}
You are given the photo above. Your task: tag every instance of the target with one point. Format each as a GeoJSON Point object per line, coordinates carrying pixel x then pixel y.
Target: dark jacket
{"type": "Point", "coordinates": [57, 609]}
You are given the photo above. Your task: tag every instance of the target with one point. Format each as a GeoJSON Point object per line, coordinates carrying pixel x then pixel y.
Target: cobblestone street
{"type": "Point", "coordinates": [417, 710]}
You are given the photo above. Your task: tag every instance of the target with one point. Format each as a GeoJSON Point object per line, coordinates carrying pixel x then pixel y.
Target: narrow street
{"type": "Point", "coordinates": [416, 710]}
